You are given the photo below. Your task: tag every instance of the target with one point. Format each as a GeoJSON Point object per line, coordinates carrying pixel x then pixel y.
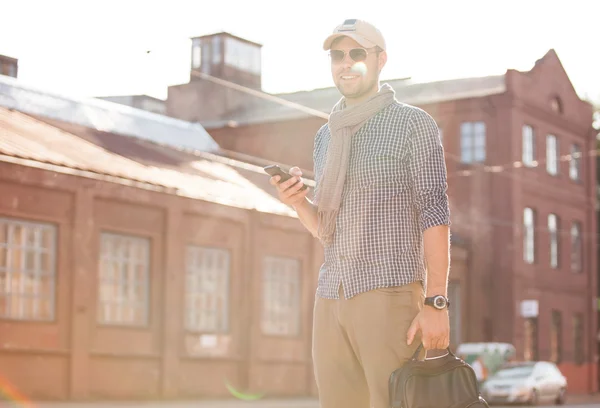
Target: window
{"type": "Point", "coordinates": [281, 297]}
{"type": "Point", "coordinates": [472, 142]}
{"type": "Point", "coordinates": [207, 290]}
{"type": "Point", "coordinates": [242, 55]}
{"type": "Point", "coordinates": [556, 105]}
{"type": "Point", "coordinates": [216, 49]}
{"type": "Point", "coordinates": [124, 280]}
{"type": "Point", "coordinates": [552, 155]}
{"type": "Point", "coordinates": [576, 249]}
{"type": "Point", "coordinates": [196, 54]}
{"type": "Point", "coordinates": [575, 163]}
{"type": "Point", "coordinates": [454, 311]}
{"type": "Point", "coordinates": [530, 351]}
{"type": "Point", "coordinates": [205, 56]}
{"type": "Point", "coordinates": [488, 330]}
{"type": "Point", "coordinates": [578, 344]}
{"type": "Point", "coordinates": [12, 70]}
{"type": "Point", "coordinates": [528, 146]}
{"type": "Point", "coordinates": [556, 337]}
{"type": "Point", "coordinates": [529, 235]}
{"type": "Point", "coordinates": [27, 270]}
{"type": "Point", "coordinates": [554, 247]}
{"type": "Point", "coordinates": [553, 371]}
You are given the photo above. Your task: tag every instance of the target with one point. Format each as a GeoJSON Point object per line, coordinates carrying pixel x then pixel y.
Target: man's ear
{"type": "Point", "coordinates": [382, 60]}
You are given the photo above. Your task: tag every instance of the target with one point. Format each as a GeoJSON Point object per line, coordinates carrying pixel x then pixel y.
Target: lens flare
{"type": "Point", "coordinates": [241, 395]}
{"type": "Point", "coordinates": [360, 68]}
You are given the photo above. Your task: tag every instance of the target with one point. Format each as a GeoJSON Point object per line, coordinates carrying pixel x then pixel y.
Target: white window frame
{"type": "Point", "coordinates": [27, 260]}
{"type": "Point", "coordinates": [123, 258]}
{"type": "Point", "coordinates": [576, 247]}
{"type": "Point", "coordinates": [575, 163]}
{"type": "Point", "coordinates": [473, 142]}
{"type": "Point", "coordinates": [552, 152]}
{"type": "Point", "coordinates": [556, 337]}
{"type": "Point", "coordinates": [529, 235]}
{"type": "Point", "coordinates": [196, 54]}
{"type": "Point", "coordinates": [207, 289]}
{"type": "Point", "coordinates": [282, 290]}
{"type": "Point", "coordinates": [528, 146]}
{"type": "Point", "coordinates": [242, 55]}
{"type": "Point", "coordinates": [553, 223]}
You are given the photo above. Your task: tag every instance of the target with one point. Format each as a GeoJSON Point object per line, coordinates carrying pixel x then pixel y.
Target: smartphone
{"type": "Point", "coordinates": [275, 170]}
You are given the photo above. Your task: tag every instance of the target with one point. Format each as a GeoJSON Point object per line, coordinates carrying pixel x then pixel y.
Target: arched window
{"type": "Point", "coordinates": [556, 104]}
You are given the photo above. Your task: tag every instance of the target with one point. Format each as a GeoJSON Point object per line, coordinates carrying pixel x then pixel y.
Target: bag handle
{"type": "Point", "coordinates": [416, 354]}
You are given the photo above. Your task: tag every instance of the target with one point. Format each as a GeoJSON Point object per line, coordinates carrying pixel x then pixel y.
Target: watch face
{"type": "Point", "coordinates": [439, 302]}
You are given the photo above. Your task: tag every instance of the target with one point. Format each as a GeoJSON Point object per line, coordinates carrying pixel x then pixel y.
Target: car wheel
{"type": "Point", "coordinates": [535, 398]}
{"type": "Point", "coordinates": [561, 397]}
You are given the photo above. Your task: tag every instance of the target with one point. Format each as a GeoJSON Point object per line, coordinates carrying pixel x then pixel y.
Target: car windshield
{"type": "Point", "coordinates": [514, 372]}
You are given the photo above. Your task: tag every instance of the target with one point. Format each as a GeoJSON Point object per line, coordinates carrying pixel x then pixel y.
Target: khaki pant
{"type": "Point", "coordinates": [359, 342]}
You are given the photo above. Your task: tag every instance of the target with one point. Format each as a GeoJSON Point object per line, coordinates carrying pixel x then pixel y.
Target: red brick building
{"type": "Point", "coordinates": [521, 163]}
{"type": "Point", "coordinates": [137, 263]}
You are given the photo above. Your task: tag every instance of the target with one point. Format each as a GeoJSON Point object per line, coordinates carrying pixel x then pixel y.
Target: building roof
{"type": "Point", "coordinates": [407, 91]}
{"type": "Point", "coordinates": [8, 59]}
{"type": "Point", "coordinates": [144, 102]}
{"type": "Point", "coordinates": [104, 115]}
{"type": "Point", "coordinates": [226, 34]}
{"type": "Point", "coordinates": [76, 149]}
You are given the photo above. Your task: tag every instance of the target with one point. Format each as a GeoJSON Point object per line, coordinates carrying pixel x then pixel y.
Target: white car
{"type": "Point", "coordinates": [526, 382]}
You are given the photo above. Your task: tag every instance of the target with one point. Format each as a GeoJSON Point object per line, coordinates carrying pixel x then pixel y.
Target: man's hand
{"type": "Point", "coordinates": [434, 326]}
{"type": "Point", "coordinates": [289, 191]}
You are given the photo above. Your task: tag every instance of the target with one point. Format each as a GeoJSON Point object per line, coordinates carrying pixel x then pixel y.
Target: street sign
{"type": "Point", "coordinates": [529, 308]}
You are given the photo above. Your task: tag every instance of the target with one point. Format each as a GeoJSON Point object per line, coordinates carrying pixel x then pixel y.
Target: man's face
{"type": "Point", "coordinates": [355, 79]}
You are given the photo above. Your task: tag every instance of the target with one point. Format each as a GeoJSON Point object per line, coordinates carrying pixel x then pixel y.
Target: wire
{"type": "Point", "coordinates": [518, 164]}
{"type": "Point", "coordinates": [262, 95]}
{"type": "Point", "coordinates": [499, 222]}
{"type": "Point", "coordinates": [496, 169]}
{"type": "Point", "coordinates": [323, 115]}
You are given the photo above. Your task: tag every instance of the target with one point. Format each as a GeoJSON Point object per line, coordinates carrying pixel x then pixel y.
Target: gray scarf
{"type": "Point", "coordinates": [344, 122]}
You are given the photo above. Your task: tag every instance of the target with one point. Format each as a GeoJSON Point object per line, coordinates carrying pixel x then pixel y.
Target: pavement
{"type": "Point", "coordinates": [573, 401]}
{"type": "Point", "coordinates": [229, 403]}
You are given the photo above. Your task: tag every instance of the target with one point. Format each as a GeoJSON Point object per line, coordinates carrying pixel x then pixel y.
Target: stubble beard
{"type": "Point", "coordinates": [361, 90]}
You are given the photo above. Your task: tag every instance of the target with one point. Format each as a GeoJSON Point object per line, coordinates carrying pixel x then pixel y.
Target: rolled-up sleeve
{"type": "Point", "coordinates": [319, 152]}
{"type": "Point", "coordinates": [427, 167]}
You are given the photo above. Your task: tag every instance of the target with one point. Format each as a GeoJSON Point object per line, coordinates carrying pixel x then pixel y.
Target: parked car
{"type": "Point", "coordinates": [493, 355]}
{"type": "Point", "coordinates": [526, 382]}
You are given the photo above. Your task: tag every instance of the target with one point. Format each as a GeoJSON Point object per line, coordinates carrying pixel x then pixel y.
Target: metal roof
{"type": "Point", "coordinates": [104, 115]}
{"type": "Point", "coordinates": [32, 142]}
{"type": "Point", "coordinates": [407, 91]}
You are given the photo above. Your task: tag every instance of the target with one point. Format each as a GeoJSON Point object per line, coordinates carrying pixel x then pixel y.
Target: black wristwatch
{"type": "Point", "coordinates": [439, 302]}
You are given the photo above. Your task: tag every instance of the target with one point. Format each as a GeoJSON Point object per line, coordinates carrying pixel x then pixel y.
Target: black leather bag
{"type": "Point", "coordinates": [440, 382]}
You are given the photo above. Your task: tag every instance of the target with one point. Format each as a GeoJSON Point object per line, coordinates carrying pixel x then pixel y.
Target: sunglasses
{"type": "Point", "coordinates": [356, 54]}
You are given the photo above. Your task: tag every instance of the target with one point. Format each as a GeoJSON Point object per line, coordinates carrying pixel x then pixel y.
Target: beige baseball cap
{"type": "Point", "coordinates": [364, 33]}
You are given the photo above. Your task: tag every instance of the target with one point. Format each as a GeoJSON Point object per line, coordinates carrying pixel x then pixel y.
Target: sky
{"type": "Point", "coordinates": [100, 48]}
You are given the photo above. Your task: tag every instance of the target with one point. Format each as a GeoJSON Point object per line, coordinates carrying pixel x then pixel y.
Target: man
{"type": "Point", "coordinates": [381, 211]}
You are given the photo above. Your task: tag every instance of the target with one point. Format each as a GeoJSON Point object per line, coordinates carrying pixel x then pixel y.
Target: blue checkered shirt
{"type": "Point", "coordinates": [395, 189]}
